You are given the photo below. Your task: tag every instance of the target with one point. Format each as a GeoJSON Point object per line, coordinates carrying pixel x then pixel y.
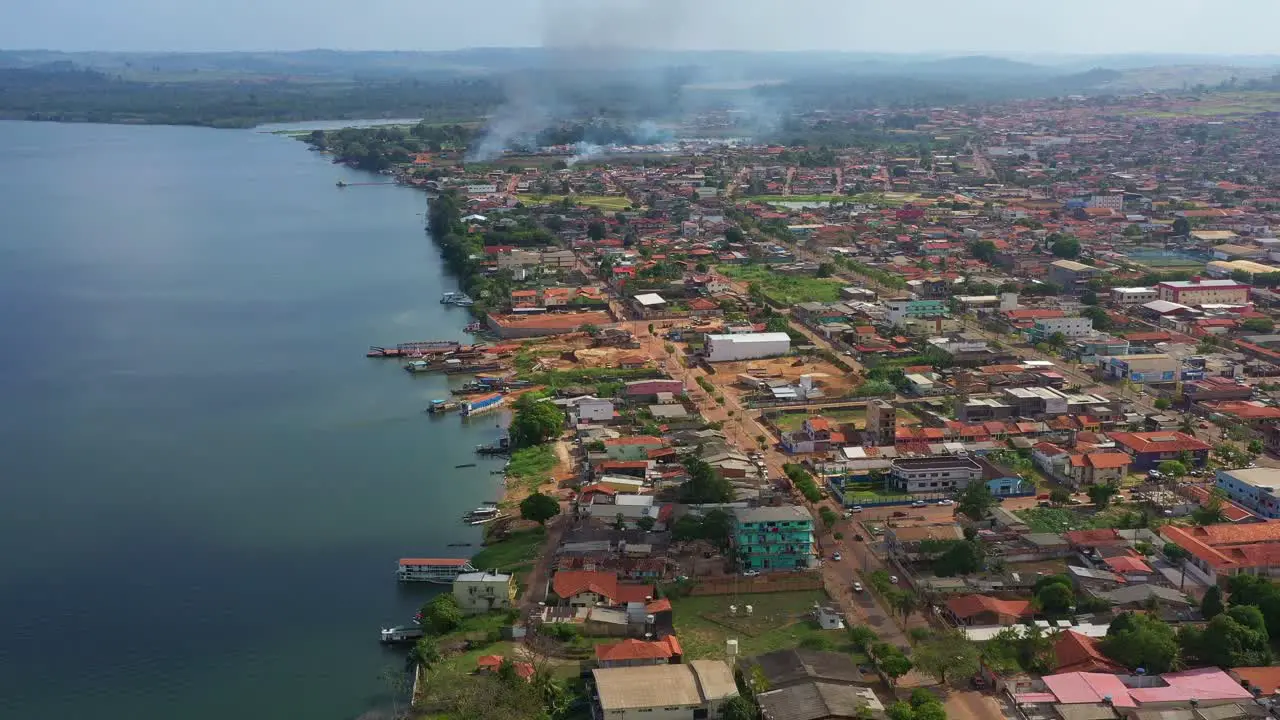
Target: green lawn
{"type": "Point", "coordinates": [778, 621]}
{"type": "Point", "coordinates": [603, 202]}
{"type": "Point", "coordinates": [514, 553]}
{"type": "Point", "coordinates": [786, 289]}
{"type": "Point", "coordinates": [866, 492]}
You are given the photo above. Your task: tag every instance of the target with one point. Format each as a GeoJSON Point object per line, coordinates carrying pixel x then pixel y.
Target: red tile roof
{"type": "Point", "coordinates": [966, 606]}
{"type": "Point", "coordinates": [491, 663]}
{"type": "Point", "coordinates": [1127, 564]}
{"type": "Point", "coordinates": [631, 649]}
{"type": "Point", "coordinates": [568, 583]}
{"type": "Point", "coordinates": [1079, 653]}
{"type": "Point", "coordinates": [1163, 441]}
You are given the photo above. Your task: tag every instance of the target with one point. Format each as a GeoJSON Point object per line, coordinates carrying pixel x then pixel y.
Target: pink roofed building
{"type": "Point", "coordinates": [1207, 686]}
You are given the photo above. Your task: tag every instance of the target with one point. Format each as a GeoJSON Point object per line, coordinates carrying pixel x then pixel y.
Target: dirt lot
{"type": "Point", "coordinates": [833, 381]}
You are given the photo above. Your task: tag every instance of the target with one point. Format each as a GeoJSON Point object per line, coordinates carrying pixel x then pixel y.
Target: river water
{"type": "Point", "coordinates": [205, 486]}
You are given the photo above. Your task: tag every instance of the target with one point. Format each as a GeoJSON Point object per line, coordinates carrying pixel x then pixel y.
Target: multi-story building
{"type": "Point", "coordinates": [935, 474]}
{"type": "Point", "coordinates": [1257, 489]}
{"type": "Point", "coordinates": [482, 592]}
{"type": "Point", "coordinates": [773, 538]}
{"type": "Point", "coordinates": [1199, 291]}
{"type": "Point", "coordinates": [1070, 275]}
{"type": "Point", "coordinates": [899, 309]}
{"type": "Point", "coordinates": [1133, 295]}
{"type": "Point", "coordinates": [1142, 369]}
{"type": "Point", "coordinates": [1071, 327]}
{"type": "Point", "coordinates": [881, 423]}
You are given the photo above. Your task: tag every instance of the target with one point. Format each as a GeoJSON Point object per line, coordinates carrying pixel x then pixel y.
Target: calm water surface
{"type": "Point", "coordinates": [205, 484]}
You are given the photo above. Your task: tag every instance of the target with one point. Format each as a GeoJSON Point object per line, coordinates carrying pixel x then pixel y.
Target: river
{"type": "Point", "coordinates": [205, 484]}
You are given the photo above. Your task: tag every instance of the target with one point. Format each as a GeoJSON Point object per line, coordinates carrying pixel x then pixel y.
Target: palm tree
{"type": "Point", "coordinates": [905, 602]}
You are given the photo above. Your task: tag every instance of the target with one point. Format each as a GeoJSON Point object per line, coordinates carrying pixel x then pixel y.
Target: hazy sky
{"type": "Point", "coordinates": [1010, 26]}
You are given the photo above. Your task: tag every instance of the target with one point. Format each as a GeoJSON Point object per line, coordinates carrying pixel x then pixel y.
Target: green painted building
{"type": "Point", "coordinates": [773, 538]}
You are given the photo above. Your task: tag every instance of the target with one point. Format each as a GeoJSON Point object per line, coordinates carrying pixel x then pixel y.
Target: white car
{"type": "Point", "coordinates": [855, 509]}
{"type": "Point", "coordinates": [857, 587]}
{"type": "Point", "coordinates": [893, 579]}
{"type": "Point", "coordinates": [750, 573]}
{"type": "Point", "coordinates": [946, 501]}
{"type": "Point", "coordinates": [836, 557]}
{"type": "Point", "coordinates": [919, 504]}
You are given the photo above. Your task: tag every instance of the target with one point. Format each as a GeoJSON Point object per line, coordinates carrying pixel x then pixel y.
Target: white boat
{"type": "Point", "coordinates": [401, 634]}
{"type": "Point", "coordinates": [449, 297]}
{"type": "Point", "coordinates": [433, 570]}
{"type": "Point", "coordinates": [482, 521]}
{"type": "Point", "coordinates": [481, 513]}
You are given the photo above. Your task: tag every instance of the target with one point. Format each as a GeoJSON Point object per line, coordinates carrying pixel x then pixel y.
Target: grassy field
{"type": "Point", "coordinates": [610, 203]}
{"type": "Point", "coordinates": [786, 289]}
{"type": "Point", "coordinates": [853, 416]}
{"type": "Point", "coordinates": [778, 620]}
{"type": "Point", "coordinates": [770, 199]}
{"type": "Point", "coordinates": [512, 554]}
{"type": "Point", "coordinates": [533, 465]}
{"type": "Point", "coordinates": [1056, 520]}
{"type": "Point", "coordinates": [1220, 105]}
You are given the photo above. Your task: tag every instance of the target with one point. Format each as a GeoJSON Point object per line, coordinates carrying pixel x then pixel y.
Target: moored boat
{"type": "Point", "coordinates": [433, 570]}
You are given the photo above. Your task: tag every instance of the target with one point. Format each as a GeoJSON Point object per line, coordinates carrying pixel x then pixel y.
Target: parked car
{"type": "Point", "coordinates": [836, 556]}
{"type": "Point", "coordinates": [919, 504]}
{"type": "Point", "coordinates": [855, 509]}
{"type": "Point", "coordinates": [857, 587]}
{"type": "Point", "coordinates": [893, 579]}
{"type": "Point", "coordinates": [857, 538]}
{"type": "Point", "coordinates": [750, 573]}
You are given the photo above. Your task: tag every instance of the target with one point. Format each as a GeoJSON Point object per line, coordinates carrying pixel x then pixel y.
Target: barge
{"type": "Point", "coordinates": [433, 570]}
{"type": "Point", "coordinates": [482, 404]}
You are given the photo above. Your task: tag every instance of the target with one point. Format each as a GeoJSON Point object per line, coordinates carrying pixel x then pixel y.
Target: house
{"type": "Point", "coordinates": [1252, 414]}
{"type": "Point", "coordinates": [492, 663]}
{"type": "Point", "coordinates": [651, 388]}
{"type": "Point", "coordinates": [814, 435]}
{"type": "Point", "coordinates": [698, 689]}
{"type": "Point", "coordinates": [1263, 680]}
{"type": "Point", "coordinates": [773, 538]}
{"type": "Point", "coordinates": [482, 592]}
{"type": "Point", "coordinates": [597, 410]}
{"type": "Point", "coordinates": [634, 653]}
{"type": "Point", "coordinates": [798, 666]}
{"type": "Point", "coordinates": [1219, 551]}
{"type": "Point", "coordinates": [585, 588]}
{"type": "Point", "coordinates": [1074, 652]}
{"type": "Point", "coordinates": [1149, 449]}
{"type": "Point", "coordinates": [820, 701]}
{"type": "Point", "coordinates": [1097, 468]}
{"type": "Point", "coordinates": [1141, 596]}
{"type": "Point", "coordinates": [987, 610]}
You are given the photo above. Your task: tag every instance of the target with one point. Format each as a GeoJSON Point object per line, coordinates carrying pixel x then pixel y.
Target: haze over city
{"type": "Point", "coordinates": [993, 26]}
